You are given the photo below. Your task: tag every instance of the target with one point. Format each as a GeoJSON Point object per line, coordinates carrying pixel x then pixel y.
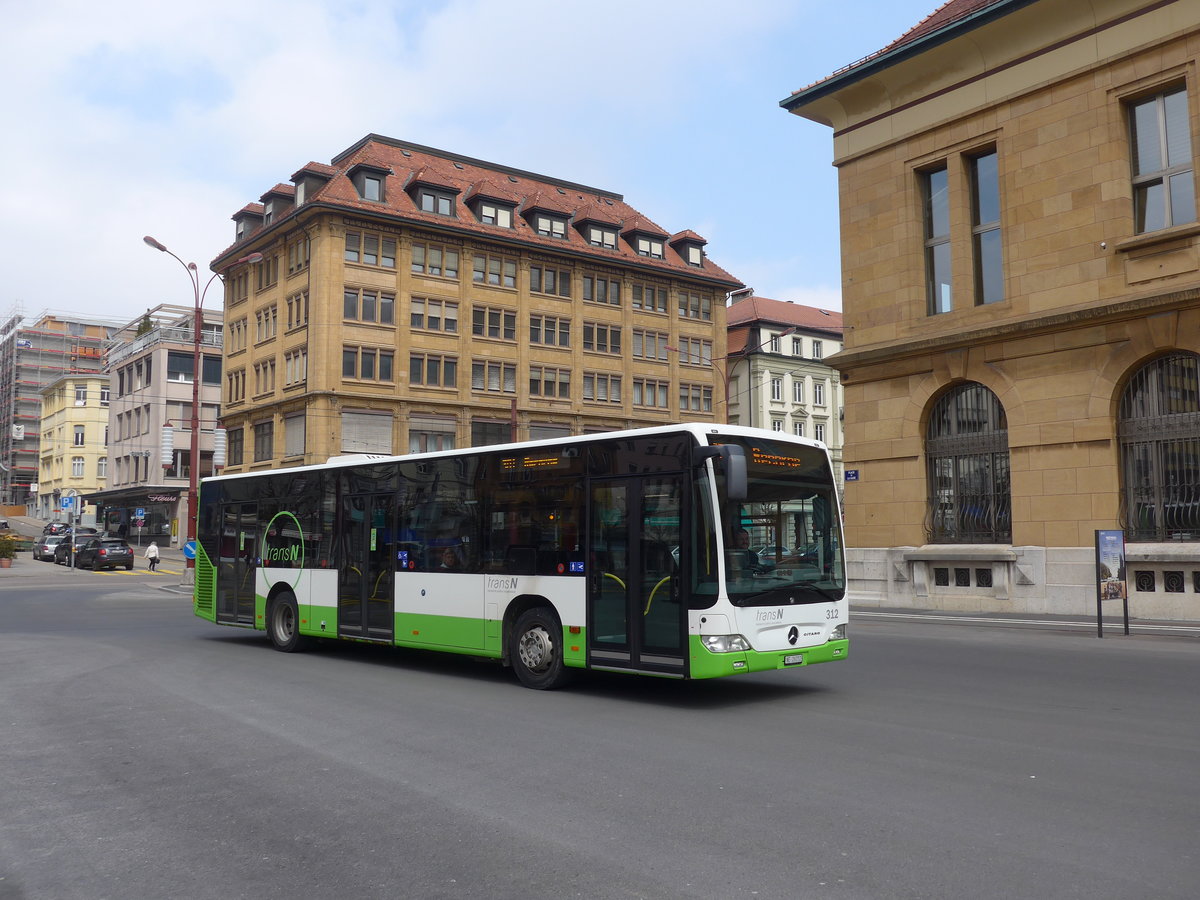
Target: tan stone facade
{"type": "Point", "coordinates": [479, 342]}
{"type": "Point", "coordinates": [1088, 297]}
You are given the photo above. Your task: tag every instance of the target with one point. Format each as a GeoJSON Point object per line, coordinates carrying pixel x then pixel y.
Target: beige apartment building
{"type": "Point", "coordinates": [1021, 283]}
{"type": "Point", "coordinates": [73, 449]}
{"type": "Point", "coordinates": [412, 299]}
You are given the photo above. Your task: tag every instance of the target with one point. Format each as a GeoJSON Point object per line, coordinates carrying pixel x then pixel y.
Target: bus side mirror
{"type": "Point", "coordinates": [733, 461]}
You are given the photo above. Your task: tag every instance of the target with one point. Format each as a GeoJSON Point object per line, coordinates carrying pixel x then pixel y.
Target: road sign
{"type": "Point", "coordinates": [66, 503]}
{"type": "Point", "coordinates": [139, 513]}
{"type": "Point", "coordinates": [852, 474]}
{"type": "Point", "coordinates": [189, 549]}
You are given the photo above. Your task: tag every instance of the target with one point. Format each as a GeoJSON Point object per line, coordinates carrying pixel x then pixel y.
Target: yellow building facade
{"type": "Point", "coordinates": [411, 299]}
{"type": "Point", "coordinates": [73, 460]}
{"type": "Point", "coordinates": [1021, 265]}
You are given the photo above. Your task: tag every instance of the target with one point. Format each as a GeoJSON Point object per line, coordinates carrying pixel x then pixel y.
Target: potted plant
{"type": "Point", "coordinates": [8, 549]}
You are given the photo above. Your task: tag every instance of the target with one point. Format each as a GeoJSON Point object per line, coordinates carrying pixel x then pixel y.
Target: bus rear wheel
{"type": "Point", "coordinates": [536, 650]}
{"type": "Point", "coordinates": [283, 624]}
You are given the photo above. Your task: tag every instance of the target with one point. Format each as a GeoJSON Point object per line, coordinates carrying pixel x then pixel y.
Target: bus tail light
{"type": "Point", "coordinates": [725, 643]}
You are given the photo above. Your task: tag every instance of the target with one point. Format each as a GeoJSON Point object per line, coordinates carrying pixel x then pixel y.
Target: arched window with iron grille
{"type": "Point", "coordinates": [966, 450]}
{"type": "Point", "coordinates": [1158, 427]}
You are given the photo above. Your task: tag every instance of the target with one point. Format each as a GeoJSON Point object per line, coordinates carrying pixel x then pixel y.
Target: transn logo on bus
{"type": "Point", "coordinates": [769, 615]}
{"type": "Point", "coordinates": [502, 582]}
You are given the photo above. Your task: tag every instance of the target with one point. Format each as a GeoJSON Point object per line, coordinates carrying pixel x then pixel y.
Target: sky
{"type": "Point", "coordinates": [130, 118]}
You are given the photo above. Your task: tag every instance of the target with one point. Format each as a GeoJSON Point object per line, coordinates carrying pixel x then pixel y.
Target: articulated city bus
{"type": "Point", "coordinates": [626, 551]}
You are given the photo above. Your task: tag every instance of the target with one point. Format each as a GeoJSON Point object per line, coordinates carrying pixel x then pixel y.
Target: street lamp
{"type": "Point", "coordinates": [197, 328]}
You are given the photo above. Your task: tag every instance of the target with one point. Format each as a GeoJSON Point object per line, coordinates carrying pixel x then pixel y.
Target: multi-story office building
{"type": "Point", "coordinates": [73, 447]}
{"type": "Point", "coordinates": [1021, 263]}
{"type": "Point", "coordinates": [31, 357]}
{"type": "Point", "coordinates": [151, 364]}
{"type": "Point", "coordinates": [412, 299]}
{"type": "Point", "coordinates": [776, 370]}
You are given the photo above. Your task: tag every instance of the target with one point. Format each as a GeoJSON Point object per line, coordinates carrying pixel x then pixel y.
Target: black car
{"type": "Point", "coordinates": [56, 528]}
{"type": "Point", "coordinates": [69, 545]}
{"type": "Point", "coordinates": [103, 553]}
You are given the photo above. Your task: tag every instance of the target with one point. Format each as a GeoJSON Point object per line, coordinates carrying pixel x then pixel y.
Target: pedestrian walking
{"type": "Point", "coordinates": [152, 555]}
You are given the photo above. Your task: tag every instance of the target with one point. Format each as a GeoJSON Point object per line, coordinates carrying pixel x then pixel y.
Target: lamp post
{"type": "Point", "coordinates": [724, 364]}
{"type": "Point", "coordinates": [198, 293]}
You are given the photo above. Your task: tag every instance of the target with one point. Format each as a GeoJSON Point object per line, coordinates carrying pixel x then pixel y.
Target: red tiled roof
{"type": "Point", "coordinates": [315, 168]}
{"type": "Point", "coordinates": [687, 235]}
{"type": "Point", "coordinates": [643, 225]}
{"type": "Point", "coordinates": [411, 162]}
{"type": "Point", "coordinates": [779, 312]}
{"type": "Point", "coordinates": [284, 190]}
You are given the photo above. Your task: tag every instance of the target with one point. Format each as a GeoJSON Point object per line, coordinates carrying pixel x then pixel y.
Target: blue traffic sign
{"type": "Point", "coordinates": [140, 513]}
{"type": "Point", "coordinates": [852, 474]}
{"type": "Point", "coordinates": [189, 549]}
{"type": "Point", "coordinates": [67, 502]}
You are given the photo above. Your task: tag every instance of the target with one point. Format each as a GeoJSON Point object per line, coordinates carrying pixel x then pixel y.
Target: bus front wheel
{"type": "Point", "coordinates": [283, 624]}
{"type": "Point", "coordinates": [536, 650]}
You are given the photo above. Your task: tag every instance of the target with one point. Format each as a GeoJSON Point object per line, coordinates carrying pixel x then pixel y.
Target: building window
{"type": "Point", "coordinates": [434, 259]}
{"type": "Point", "coordinates": [798, 390]}
{"type": "Point", "coordinates": [650, 344]}
{"type": "Point", "coordinates": [268, 272]}
{"type": "Point", "coordinates": [295, 367]}
{"type": "Point", "coordinates": [102, 467]}
{"type": "Point", "coordinates": [495, 214]}
{"type": "Point", "coordinates": [81, 395]}
{"type": "Point", "coordinates": [602, 338]}
{"type": "Point", "coordinates": [651, 247]}
{"type": "Point", "coordinates": [79, 436]}
{"type": "Point", "coordinates": [985, 228]}
{"type": "Point", "coordinates": [366, 432]}
{"type": "Point", "coordinates": [797, 347]}
{"type": "Point", "coordinates": [493, 322]}
{"type": "Point", "coordinates": [495, 270]}
{"type": "Point", "coordinates": [264, 377]}
{"type": "Point", "coordinates": [370, 249]}
{"type": "Point", "coordinates": [818, 393]}
{"type": "Point", "coordinates": [367, 363]}
{"type": "Point", "coordinates": [494, 377]}
{"type": "Point", "coordinates": [549, 382]}
{"type": "Point", "coordinates": [485, 432]}
{"type": "Point", "coordinates": [364, 305]}
{"type": "Point", "coordinates": [695, 398]}
{"type": "Point", "coordinates": [543, 280]}
{"type": "Point", "coordinates": [550, 226]}
{"type": "Point", "coordinates": [1159, 434]}
{"type": "Point", "coordinates": [237, 338]}
{"type": "Point", "coordinates": [234, 444]}
{"type": "Point", "coordinates": [552, 331]}
{"type": "Point", "coordinates": [76, 466]}
{"type": "Point", "coordinates": [433, 315]}
{"type": "Point", "coordinates": [297, 310]}
{"type": "Point", "coordinates": [180, 366]}
{"type": "Point", "coordinates": [819, 432]}
{"type": "Point", "coordinates": [695, 255]}
{"type": "Point", "coordinates": [432, 370]}
{"type": "Point", "coordinates": [649, 298]}
{"type": "Point", "coordinates": [602, 237]}
{"type": "Point", "coordinates": [235, 384]}
{"type": "Point", "coordinates": [298, 254]}
{"type": "Point", "coordinates": [695, 352]}
{"type": "Point", "coordinates": [436, 202]}
{"type": "Point", "coordinates": [935, 196]}
{"type": "Point", "coordinates": [264, 441]}
{"type": "Point", "coordinates": [1160, 134]}
{"type": "Point", "coordinates": [776, 389]}
{"type": "Point", "coordinates": [798, 429]}
{"type": "Point", "coordinates": [428, 434]}
{"type": "Point", "coordinates": [293, 435]}
{"type": "Point", "coordinates": [817, 350]}
{"type": "Point", "coordinates": [601, 388]}
{"type": "Point", "coordinates": [777, 424]}
{"type": "Point", "coordinates": [648, 392]}
{"type": "Point", "coordinates": [966, 451]}
{"type": "Point", "coordinates": [601, 290]}
{"type": "Point", "coordinates": [266, 322]}
{"type": "Point", "coordinates": [695, 306]}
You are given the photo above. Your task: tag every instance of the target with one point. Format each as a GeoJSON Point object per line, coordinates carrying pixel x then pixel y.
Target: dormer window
{"type": "Point", "coordinates": [550, 226]}
{"type": "Point", "coordinates": [300, 193]}
{"type": "Point", "coordinates": [437, 202]}
{"type": "Point", "coordinates": [602, 237]}
{"type": "Point", "coordinates": [368, 180]}
{"type": "Point", "coordinates": [495, 214]}
{"type": "Point", "coordinates": [372, 188]}
{"type": "Point", "coordinates": [651, 247]}
{"type": "Point", "coordinates": [694, 255]}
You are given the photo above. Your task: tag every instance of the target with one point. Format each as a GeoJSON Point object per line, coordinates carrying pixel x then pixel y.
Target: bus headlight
{"type": "Point", "coordinates": [839, 633]}
{"type": "Point", "coordinates": [725, 643]}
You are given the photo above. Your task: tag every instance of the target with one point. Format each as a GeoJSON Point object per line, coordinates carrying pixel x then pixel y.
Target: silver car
{"type": "Point", "coordinates": [43, 547]}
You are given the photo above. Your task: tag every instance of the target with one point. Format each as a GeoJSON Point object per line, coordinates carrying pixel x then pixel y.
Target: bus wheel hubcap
{"type": "Point", "coordinates": [535, 649]}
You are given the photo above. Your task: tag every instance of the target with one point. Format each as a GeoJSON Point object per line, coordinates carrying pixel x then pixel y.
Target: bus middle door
{"type": "Point", "coordinates": [635, 617]}
{"type": "Point", "coordinates": [366, 608]}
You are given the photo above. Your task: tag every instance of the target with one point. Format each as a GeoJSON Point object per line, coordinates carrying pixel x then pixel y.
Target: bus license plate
{"type": "Point", "coordinates": [794, 660]}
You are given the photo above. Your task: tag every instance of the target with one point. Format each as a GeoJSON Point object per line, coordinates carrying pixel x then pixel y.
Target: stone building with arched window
{"type": "Point", "coordinates": [1021, 301]}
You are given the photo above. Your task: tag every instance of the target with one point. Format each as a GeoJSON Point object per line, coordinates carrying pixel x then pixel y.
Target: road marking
{"type": "Point", "coordinates": [1185, 629]}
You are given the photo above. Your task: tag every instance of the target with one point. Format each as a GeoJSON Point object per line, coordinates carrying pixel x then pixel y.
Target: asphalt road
{"type": "Point", "coordinates": [148, 754]}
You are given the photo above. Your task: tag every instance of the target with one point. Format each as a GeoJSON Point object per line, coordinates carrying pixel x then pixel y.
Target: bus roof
{"type": "Point", "coordinates": [700, 431]}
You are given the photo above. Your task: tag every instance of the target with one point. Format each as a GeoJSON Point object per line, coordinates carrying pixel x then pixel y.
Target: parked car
{"type": "Point", "coordinates": [83, 531]}
{"type": "Point", "coordinates": [4, 525]}
{"type": "Point", "coordinates": [43, 547]}
{"type": "Point", "coordinates": [104, 553]}
{"type": "Point", "coordinates": [56, 528]}
{"type": "Point", "coordinates": [68, 545]}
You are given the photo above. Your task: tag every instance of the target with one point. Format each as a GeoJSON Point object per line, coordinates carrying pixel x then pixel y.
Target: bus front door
{"type": "Point", "coordinates": [238, 564]}
{"type": "Point", "coordinates": [365, 578]}
{"type": "Point", "coordinates": [636, 620]}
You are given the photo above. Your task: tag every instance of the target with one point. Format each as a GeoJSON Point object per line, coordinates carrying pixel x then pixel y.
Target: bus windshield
{"type": "Point", "coordinates": [782, 543]}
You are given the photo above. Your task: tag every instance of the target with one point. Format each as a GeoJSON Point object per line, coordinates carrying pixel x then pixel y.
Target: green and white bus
{"type": "Point", "coordinates": [624, 551]}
